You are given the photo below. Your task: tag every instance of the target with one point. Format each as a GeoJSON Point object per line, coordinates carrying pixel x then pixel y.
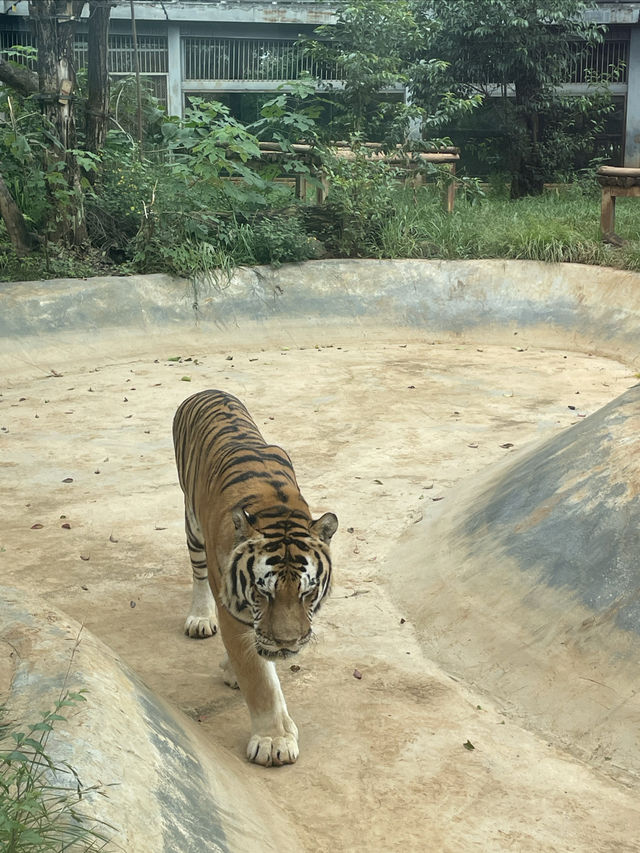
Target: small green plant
{"type": "Point", "coordinates": [54, 260]}
{"type": "Point", "coordinates": [41, 798]}
{"type": "Point", "coordinates": [274, 240]}
{"type": "Point", "coordinates": [360, 202]}
{"type": "Point", "coordinates": [470, 189]}
{"type": "Point", "coordinates": [286, 119]}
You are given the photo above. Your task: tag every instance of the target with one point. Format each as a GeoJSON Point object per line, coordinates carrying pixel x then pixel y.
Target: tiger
{"type": "Point", "coordinates": [258, 558]}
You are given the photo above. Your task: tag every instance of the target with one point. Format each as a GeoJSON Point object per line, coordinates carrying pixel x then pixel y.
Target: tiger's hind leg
{"type": "Point", "coordinates": [228, 673]}
{"type": "Point", "coordinates": [201, 621]}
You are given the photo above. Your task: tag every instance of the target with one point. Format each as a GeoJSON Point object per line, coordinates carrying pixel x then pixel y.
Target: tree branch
{"type": "Point", "coordinates": [24, 81]}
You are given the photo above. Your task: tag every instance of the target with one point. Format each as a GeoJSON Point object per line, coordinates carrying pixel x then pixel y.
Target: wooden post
{"type": "Point", "coordinates": [608, 211]}
{"type": "Point", "coordinates": [301, 187]}
{"type": "Point", "coordinates": [323, 190]}
{"type": "Point", "coordinates": [451, 189]}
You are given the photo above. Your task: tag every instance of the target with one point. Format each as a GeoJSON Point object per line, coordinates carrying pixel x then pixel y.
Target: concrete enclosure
{"type": "Point", "coordinates": [523, 584]}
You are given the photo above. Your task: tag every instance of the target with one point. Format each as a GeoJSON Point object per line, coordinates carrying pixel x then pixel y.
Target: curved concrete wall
{"type": "Point", "coordinates": [162, 787]}
{"type": "Point", "coordinates": [592, 308]}
{"type": "Point", "coordinates": [527, 584]}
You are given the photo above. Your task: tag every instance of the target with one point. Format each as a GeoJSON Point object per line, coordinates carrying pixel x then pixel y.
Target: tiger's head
{"type": "Point", "coordinates": [277, 578]}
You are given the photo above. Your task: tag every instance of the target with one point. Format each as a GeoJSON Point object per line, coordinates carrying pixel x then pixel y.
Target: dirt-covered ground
{"type": "Point", "coordinates": [380, 426]}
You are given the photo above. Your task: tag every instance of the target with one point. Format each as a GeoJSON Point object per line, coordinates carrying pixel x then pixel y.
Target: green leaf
{"type": "Point", "coordinates": [15, 755]}
{"type": "Point", "coordinates": [79, 695]}
{"type": "Point", "coordinates": [34, 744]}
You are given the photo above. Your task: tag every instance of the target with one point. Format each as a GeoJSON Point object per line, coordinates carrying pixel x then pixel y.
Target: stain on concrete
{"type": "Point", "coordinates": [569, 512]}
{"type": "Point", "coordinates": [192, 822]}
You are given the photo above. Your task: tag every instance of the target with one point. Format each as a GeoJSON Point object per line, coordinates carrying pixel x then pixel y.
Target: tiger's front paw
{"type": "Point", "coordinates": [200, 627]}
{"type": "Point", "coordinates": [279, 746]}
{"type": "Point", "coordinates": [273, 751]}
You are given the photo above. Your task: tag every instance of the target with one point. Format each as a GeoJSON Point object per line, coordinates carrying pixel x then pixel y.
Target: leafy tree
{"type": "Point", "coordinates": [54, 22]}
{"type": "Point", "coordinates": [369, 45]}
{"type": "Point", "coordinates": [521, 50]}
{"type": "Point", "coordinates": [377, 46]}
{"type": "Point", "coordinates": [55, 161]}
{"type": "Point", "coordinates": [452, 55]}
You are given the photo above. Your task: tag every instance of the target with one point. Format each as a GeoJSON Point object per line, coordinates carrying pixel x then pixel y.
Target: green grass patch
{"type": "Point", "coordinates": [555, 228]}
{"type": "Point", "coordinates": [366, 219]}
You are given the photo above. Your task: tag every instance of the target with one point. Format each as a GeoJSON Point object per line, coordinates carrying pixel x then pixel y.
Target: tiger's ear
{"type": "Point", "coordinates": [325, 526]}
{"type": "Point", "coordinates": [242, 523]}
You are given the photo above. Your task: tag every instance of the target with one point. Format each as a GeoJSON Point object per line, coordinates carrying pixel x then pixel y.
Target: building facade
{"type": "Point", "coordinates": [624, 19]}
{"type": "Point", "coordinates": [235, 49]}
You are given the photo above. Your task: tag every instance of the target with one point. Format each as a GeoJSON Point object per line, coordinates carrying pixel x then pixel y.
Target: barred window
{"type": "Point", "coordinates": [248, 59]}
{"type": "Point", "coordinates": [610, 59]}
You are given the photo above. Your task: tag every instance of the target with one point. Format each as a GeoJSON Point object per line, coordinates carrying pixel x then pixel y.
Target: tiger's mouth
{"type": "Point", "coordinates": [275, 654]}
{"type": "Point", "coordinates": [279, 649]}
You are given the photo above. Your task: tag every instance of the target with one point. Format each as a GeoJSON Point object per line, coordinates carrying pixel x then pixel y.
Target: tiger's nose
{"type": "Point", "coordinates": [291, 643]}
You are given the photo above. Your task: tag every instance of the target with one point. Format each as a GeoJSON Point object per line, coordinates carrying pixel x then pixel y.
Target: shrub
{"type": "Point", "coordinates": [274, 240]}
{"type": "Point", "coordinates": [41, 800]}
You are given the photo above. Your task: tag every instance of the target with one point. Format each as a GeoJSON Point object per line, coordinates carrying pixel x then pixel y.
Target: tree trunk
{"type": "Point", "coordinates": [98, 74]}
{"type": "Point", "coordinates": [54, 24]}
{"type": "Point", "coordinates": [14, 221]}
{"type": "Point", "coordinates": [527, 176]}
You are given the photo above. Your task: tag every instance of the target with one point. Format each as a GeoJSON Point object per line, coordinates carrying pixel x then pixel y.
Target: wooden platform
{"type": "Point", "coordinates": [615, 181]}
